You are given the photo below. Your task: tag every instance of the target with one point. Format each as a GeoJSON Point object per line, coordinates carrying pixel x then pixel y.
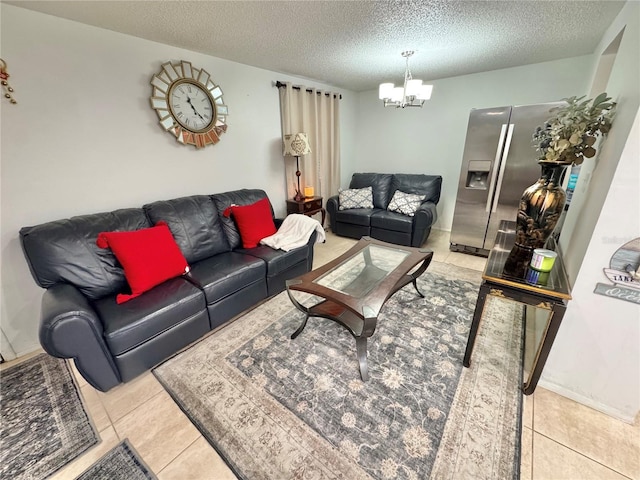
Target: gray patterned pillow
{"type": "Point", "coordinates": [406, 203]}
{"type": "Point", "coordinates": [356, 198]}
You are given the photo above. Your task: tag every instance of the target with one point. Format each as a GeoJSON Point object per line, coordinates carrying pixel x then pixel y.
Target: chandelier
{"type": "Point", "coordinates": [412, 94]}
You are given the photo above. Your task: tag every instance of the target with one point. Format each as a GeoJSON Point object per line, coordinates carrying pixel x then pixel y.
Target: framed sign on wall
{"type": "Point", "coordinates": [624, 274]}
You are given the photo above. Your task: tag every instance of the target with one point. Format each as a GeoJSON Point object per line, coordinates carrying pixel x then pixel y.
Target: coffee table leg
{"type": "Point", "coordinates": [361, 347]}
{"type": "Point", "coordinates": [300, 328]}
{"type": "Point", "coordinates": [414, 276]}
{"type": "Point", "coordinates": [415, 285]}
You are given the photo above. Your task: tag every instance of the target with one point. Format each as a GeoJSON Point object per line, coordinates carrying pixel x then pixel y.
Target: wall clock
{"type": "Point", "coordinates": [189, 104]}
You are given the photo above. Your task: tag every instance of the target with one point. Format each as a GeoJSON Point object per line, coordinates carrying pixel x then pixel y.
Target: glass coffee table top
{"type": "Point", "coordinates": [364, 270]}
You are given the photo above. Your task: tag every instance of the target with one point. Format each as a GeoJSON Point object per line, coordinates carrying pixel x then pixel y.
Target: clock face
{"type": "Point", "coordinates": [192, 106]}
{"type": "Point", "coordinates": [189, 104]}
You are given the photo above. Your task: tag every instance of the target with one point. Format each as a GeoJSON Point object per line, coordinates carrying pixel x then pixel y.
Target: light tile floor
{"type": "Point", "coordinates": [561, 439]}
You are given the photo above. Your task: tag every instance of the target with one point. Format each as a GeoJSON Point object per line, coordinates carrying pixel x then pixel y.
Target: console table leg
{"type": "Point", "coordinates": [361, 347]}
{"type": "Point", "coordinates": [475, 323]}
{"type": "Point", "coordinates": [300, 328]}
{"type": "Point", "coordinates": [553, 324]}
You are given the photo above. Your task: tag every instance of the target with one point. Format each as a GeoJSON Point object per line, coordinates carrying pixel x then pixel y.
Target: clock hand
{"type": "Point", "coordinates": [194, 108]}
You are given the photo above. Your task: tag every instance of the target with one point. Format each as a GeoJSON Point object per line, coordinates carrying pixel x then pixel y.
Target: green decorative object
{"type": "Point", "coordinates": [570, 134]}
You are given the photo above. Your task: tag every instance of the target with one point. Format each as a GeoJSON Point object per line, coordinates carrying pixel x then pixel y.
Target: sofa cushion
{"type": "Point", "coordinates": [427, 185]}
{"type": "Point", "coordinates": [133, 323]}
{"type": "Point", "coordinates": [65, 251]}
{"type": "Point", "coordinates": [237, 197]}
{"type": "Point", "coordinates": [405, 203]}
{"type": "Point", "coordinates": [278, 261]}
{"type": "Point", "coordinates": [194, 223]}
{"type": "Point", "coordinates": [227, 273]}
{"type": "Point", "coordinates": [356, 216]}
{"type": "Point", "coordinates": [356, 198]}
{"type": "Point", "coordinates": [392, 221]}
{"type": "Point", "coordinates": [381, 183]}
{"type": "Point", "coordinates": [254, 221]}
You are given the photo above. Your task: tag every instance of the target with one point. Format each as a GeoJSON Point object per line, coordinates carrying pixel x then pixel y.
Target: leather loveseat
{"type": "Point", "coordinates": [113, 343]}
{"type": "Point", "coordinates": [380, 223]}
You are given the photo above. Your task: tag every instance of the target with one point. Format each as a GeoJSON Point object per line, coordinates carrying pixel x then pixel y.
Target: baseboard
{"type": "Point", "coordinates": [5, 348]}
{"type": "Point", "coordinates": [29, 349]}
{"type": "Point", "coordinates": [588, 402]}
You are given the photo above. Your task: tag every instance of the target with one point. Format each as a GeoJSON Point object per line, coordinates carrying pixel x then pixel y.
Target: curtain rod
{"type": "Point", "coordinates": [280, 84]}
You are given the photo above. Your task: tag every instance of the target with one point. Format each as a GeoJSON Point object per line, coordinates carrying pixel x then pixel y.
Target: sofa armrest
{"type": "Point", "coordinates": [70, 328]}
{"type": "Point", "coordinates": [424, 218]}
{"type": "Point", "coordinates": [310, 244]}
{"type": "Point", "coordinates": [333, 205]}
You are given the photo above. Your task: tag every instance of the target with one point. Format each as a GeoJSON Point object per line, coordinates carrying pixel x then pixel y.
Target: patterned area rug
{"type": "Point", "coordinates": [276, 408]}
{"type": "Point", "coordinates": [44, 425]}
{"type": "Point", "coordinates": [121, 463]}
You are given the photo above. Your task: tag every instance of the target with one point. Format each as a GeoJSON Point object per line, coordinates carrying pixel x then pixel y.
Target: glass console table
{"type": "Point", "coordinates": [550, 297]}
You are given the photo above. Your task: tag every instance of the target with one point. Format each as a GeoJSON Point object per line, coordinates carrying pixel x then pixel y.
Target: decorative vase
{"type": "Point", "coordinates": [540, 208]}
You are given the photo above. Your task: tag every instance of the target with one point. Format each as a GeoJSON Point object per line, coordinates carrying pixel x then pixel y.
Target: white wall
{"type": "Point", "coordinates": [596, 174]}
{"type": "Point", "coordinates": [596, 356]}
{"type": "Point", "coordinates": [84, 139]}
{"type": "Point", "coordinates": [431, 139]}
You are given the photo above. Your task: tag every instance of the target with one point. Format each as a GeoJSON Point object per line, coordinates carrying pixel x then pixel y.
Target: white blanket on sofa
{"type": "Point", "coordinates": [294, 232]}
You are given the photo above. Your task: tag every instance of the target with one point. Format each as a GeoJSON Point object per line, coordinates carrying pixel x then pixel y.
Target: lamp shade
{"type": "Point", "coordinates": [425, 92]}
{"type": "Point", "coordinates": [413, 87]}
{"type": "Point", "coordinates": [397, 94]}
{"type": "Point", "coordinates": [384, 91]}
{"type": "Point", "coordinates": [296, 144]}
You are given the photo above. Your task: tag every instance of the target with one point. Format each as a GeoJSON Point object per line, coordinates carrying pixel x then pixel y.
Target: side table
{"type": "Point", "coordinates": [308, 206]}
{"type": "Point", "coordinates": [552, 297]}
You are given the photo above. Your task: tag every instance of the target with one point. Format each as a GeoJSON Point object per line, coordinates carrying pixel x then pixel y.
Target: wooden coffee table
{"type": "Point", "coordinates": [355, 286]}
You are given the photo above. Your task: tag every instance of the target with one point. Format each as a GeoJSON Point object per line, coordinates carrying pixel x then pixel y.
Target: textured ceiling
{"type": "Point", "coordinates": [357, 44]}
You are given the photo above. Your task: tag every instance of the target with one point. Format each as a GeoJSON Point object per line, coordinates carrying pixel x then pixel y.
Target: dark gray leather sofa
{"type": "Point", "coordinates": [380, 223]}
{"type": "Point", "coordinates": [113, 343]}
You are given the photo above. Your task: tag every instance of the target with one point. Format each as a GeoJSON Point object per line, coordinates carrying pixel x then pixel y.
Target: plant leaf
{"type": "Point", "coordinates": [600, 98]}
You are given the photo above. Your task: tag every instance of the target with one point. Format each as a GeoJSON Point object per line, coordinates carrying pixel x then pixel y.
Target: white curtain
{"type": "Point", "coordinates": [316, 113]}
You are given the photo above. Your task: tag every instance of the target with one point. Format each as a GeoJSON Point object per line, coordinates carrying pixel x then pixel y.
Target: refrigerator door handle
{"type": "Point", "coordinates": [492, 183]}
{"type": "Point", "coordinates": [502, 167]}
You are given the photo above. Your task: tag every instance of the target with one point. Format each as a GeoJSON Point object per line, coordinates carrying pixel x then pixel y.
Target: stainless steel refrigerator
{"type": "Point", "coordinates": [499, 163]}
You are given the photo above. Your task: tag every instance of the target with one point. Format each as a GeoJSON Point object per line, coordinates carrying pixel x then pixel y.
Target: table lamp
{"type": "Point", "coordinates": [295, 145]}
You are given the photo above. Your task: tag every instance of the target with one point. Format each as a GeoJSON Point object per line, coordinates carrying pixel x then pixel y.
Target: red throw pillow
{"type": "Point", "coordinates": [254, 221]}
{"type": "Point", "coordinates": [149, 257]}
